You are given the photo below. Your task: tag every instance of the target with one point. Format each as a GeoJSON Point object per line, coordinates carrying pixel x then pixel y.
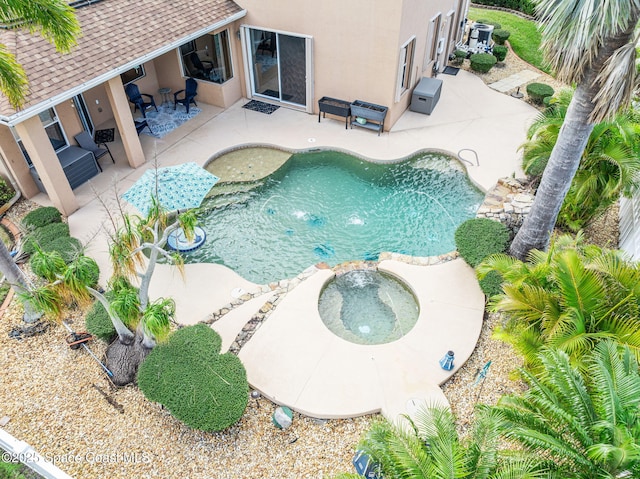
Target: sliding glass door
{"type": "Point", "coordinates": [279, 66]}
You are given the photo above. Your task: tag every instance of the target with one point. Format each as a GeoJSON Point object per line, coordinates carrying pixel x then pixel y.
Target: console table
{"type": "Point", "coordinates": [336, 107]}
{"type": "Point", "coordinates": [368, 115]}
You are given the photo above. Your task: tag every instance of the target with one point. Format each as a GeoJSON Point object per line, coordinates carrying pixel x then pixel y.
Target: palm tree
{"type": "Point", "coordinates": [429, 448]}
{"type": "Point", "coordinates": [591, 44]}
{"type": "Point", "coordinates": [569, 297]}
{"type": "Point", "coordinates": [610, 164]}
{"type": "Point", "coordinates": [55, 20]}
{"type": "Point", "coordinates": [589, 425]}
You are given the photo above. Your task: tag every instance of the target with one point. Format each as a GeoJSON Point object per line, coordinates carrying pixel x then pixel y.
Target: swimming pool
{"type": "Point", "coordinates": [328, 206]}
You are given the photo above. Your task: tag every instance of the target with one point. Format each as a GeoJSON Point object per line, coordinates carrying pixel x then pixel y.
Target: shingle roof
{"type": "Point", "coordinates": [114, 33]}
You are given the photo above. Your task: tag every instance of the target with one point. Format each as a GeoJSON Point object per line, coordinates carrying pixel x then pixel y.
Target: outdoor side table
{"type": "Point", "coordinates": [102, 137]}
{"type": "Point", "coordinates": [165, 94]}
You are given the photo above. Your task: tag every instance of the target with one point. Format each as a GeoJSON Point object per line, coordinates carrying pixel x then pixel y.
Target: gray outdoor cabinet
{"type": "Point", "coordinates": [426, 95]}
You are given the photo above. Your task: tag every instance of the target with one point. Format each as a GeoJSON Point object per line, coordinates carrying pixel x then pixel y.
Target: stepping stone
{"type": "Point", "coordinates": [513, 81]}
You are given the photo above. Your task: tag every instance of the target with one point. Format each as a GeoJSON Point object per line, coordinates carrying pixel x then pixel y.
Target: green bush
{"type": "Point", "coordinates": [460, 56]}
{"type": "Point", "coordinates": [206, 390]}
{"type": "Point", "coordinates": [478, 238]}
{"type": "Point", "coordinates": [500, 36]}
{"type": "Point", "coordinates": [500, 52]}
{"type": "Point", "coordinates": [41, 217]}
{"type": "Point", "coordinates": [6, 192]}
{"type": "Point", "coordinates": [99, 324]}
{"type": "Point", "coordinates": [68, 247]}
{"type": "Point", "coordinates": [482, 62]}
{"type": "Point", "coordinates": [538, 91]}
{"type": "Point", "coordinates": [491, 284]}
{"type": "Point", "coordinates": [45, 235]}
{"type": "Point", "coordinates": [525, 6]}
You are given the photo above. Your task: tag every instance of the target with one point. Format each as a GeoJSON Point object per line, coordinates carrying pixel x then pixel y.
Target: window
{"type": "Point", "coordinates": [54, 131]}
{"type": "Point", "coordinates": [405, 67]}
{"type": "Point", "coordinates": [132, 75]}
{"type": "Point", "coordinates": [208, 58]}
{"type": "Point", "coordinates": [432, 40]}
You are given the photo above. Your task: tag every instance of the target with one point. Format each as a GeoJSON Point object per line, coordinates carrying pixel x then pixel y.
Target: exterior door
{"type": "Point", "coordinates": [279, 66]}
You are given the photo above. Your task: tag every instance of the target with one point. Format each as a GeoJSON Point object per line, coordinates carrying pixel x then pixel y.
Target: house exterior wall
{"type": "Point", "coordinates": [356, 44]}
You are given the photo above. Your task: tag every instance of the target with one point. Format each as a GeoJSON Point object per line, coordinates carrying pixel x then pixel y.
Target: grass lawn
{"type": "Point", "coordinates": [524, 39]}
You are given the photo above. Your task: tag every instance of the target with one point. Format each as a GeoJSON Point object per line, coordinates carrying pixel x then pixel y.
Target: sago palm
{"type": "Point", "coordinates": [428, 447]}
{"type": "Point", "coordinates": [589, 425]}
{"type": "Point", "coordinates": [569, 298]}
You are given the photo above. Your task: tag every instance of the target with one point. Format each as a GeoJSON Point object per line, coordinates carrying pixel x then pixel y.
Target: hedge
{"type": "Point", "coordinates": [45, 235]}
{"type": "Point", "coordinates": [478, 238]}
{"type": "Point", "coordinates": [41, 217]}
{"type": "Point", "coordinates": [500, 52]}
{"type": "Point", "coordinates": [525, 6]}
{"type": "Point", "coordinates": [539, 91]}
{"type": "Point", "coordinates": [500, 36]}
{"type": "Point", "coordinates": [482, 62]}
{"type": "Point", "coordinates": [206, 390]}
{"type": "Point", "coordinates": [99, 324]}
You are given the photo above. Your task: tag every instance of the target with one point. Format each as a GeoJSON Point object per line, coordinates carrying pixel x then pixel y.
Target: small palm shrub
{"type": "Point", "coordinates": [187, 374]}
{"type": "Point", "coordinates": [45, 235]}
{"type": "Point", "coordinates": [538, 91]}
{"type": "Point", "coordinates": [500, 52]}
{"type": "Point", "coordinates": [41, 217]}
{"type": "Point", "coordinates": [500, 36]}
{"type": "Point", "coordinates": [478, 238]}
{"type": "Point", "coordinates": [6, 192]}
{"type": "Point", "coordinates": [99, 324]}
{"type": "Point", "coordinates": [482, 62]}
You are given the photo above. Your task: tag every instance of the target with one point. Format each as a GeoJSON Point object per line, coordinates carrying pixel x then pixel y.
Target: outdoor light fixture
{"type": "Point", "coordinates": [446, 362]}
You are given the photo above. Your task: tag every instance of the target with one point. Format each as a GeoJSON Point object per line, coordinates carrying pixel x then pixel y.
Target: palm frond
{"type": "Point", "coordinates": [13, 79]}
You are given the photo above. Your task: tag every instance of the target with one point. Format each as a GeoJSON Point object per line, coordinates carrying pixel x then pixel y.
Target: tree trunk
{"type": "Point", "coordinates": [123, 360]}
{"type": "Point", "coordinates": [565, 157]}
{"type": "Point", "coordinates": [16, 279]}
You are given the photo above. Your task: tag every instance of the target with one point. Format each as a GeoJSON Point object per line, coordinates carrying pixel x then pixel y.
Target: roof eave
{"type": "Point", "coordinates": [38, 108]}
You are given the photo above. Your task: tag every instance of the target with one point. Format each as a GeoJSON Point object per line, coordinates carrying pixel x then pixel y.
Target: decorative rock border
{"type": "Point", "coordinates": [509, 202]}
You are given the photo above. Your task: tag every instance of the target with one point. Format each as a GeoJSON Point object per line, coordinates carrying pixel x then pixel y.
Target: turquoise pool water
{"type": "Point", "coordinates": [368, 307]}
{"type": "Point", "coordinates": [332, 207]}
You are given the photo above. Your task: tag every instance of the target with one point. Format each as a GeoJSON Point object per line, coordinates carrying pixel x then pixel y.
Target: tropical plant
{"type": "Point", "coordinates": [590, 44]}
{"type": "Point", "coordinates": [55, 20]}
{"type": "Point", "coordinates": [428, 447]}
{"type": "Point", "coordinates": [569, 298]}
{"type": "Point", "coordinates": [589, 425]}
{"type": "Point", "coordinates": [188, 375]}
{"type": "Point", "coordinates": [6, 192]}
{"type": "Point", "coordinates": [609, 167]}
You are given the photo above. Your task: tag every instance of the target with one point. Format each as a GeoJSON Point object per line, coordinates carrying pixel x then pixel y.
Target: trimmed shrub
{"type": "Point", "coordinates": [6, 192]}
{"type": "Point", "coordinates": [459, 56]}
{"type": "Point", "coordinates": [68, 247]}
{"type": "Point", "coordinates": [482, 62]}
{"type": "Point", "coordinates": [500, 36]}
{"type": "Point", "coordinates": [538, 91]}
{"type": "Point", "coordinates": [477, 238]}
{"type": "Point", "coordinates": [45, 235]}
{"type": "Point", "coordinates": [206, 390]}
{"type": "Point", "coordinates": [41, 217]}
{"type": "Point", "coordinates": [500, 52]}
{"type": "Point", "coordinates": [98, 323]}
{"type": "Point", "coordinates": [525, 6]}
{"type": "Point", "coordinates": [491, 284]}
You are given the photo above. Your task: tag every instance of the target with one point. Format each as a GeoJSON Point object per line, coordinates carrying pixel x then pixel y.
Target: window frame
{"type": "Point", "coordinates": [138, 75]}
{"type": "Point", "coordinates": [405, 67]}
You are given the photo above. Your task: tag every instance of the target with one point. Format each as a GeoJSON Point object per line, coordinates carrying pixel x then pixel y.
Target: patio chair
{"type": "Point", "coordinates": [190, 92]}
{"type": "Point", "coordinates": [86, 143]}
{"type": "Point", "coordinates": [135, 97]}
{"type": "Point", "coordinates": [200, 67]}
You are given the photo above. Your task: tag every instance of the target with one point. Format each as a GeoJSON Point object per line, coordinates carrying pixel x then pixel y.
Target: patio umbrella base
{"type": "Point", "coordinates": [177, 240]}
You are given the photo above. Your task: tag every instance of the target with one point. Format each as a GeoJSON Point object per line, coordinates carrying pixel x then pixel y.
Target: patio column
{"type": "Point", "coordinates": [124, 121]}
{"type": "Point", "coordinates": [15, 163]}
{"type": "Point", "coordinates": [44, 158]}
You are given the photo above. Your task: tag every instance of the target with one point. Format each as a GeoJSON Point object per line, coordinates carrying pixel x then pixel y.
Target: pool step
{"type": "Point", "coordinates": [232, 188]}
{"type": "Point", "coordinates": [221, 201]}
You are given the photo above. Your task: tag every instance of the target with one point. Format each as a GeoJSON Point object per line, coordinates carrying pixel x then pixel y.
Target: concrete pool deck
{"type": "Point", "coordinates": [468, 116]}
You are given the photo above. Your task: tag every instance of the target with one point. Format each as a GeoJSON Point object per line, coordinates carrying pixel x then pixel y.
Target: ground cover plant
{"type": "Point", "coordinates": [525, 38]}
{"type": "Point", "coordinates": [204, 389]}
{"type": "Point", "coordinates": [41, 217]}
